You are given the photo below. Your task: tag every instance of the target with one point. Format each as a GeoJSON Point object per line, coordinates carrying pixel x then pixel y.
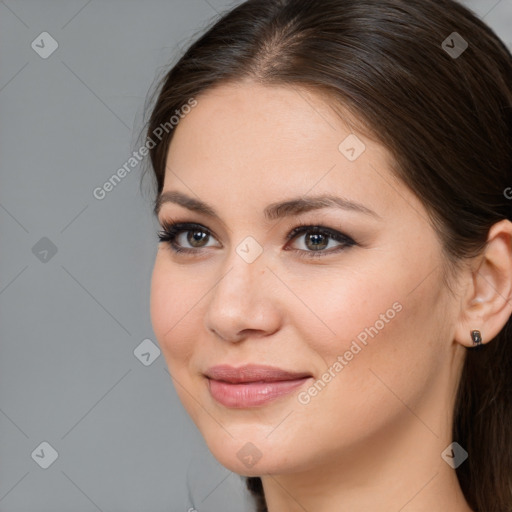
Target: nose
{"type": "Point", "coordinates": [243, 301]}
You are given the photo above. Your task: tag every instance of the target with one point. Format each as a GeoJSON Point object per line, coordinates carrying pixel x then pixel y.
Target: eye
{"type": "Point", "coordinates": [317, 240]}
{"type": "Point", "coordinates": [186, 237]}
{"type": "Point", "coordinates": [181, 233]}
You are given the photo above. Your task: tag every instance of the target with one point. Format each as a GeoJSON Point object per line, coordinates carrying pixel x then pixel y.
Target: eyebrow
{"type": "Point", "coordinates": [273, 211]}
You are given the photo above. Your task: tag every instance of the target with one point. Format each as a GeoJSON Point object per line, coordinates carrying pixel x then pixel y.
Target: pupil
{"type": "Point", "coordinates": [315, 238]}
{"type": "Point", "coordinates": [195, 237]}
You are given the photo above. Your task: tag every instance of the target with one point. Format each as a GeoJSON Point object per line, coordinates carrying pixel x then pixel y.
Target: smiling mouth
{"type": "Point", "coordinates": [251, 394]}
{"type": "Point", "coordinates": [251, 385]}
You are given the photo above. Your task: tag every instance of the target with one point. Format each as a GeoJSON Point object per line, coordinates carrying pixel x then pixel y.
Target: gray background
{"type": "Point", "coordinates": [71, 321]}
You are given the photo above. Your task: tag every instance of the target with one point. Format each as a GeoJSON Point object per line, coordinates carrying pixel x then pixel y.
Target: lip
{"type": "Point", "coordinates": [251, 385]}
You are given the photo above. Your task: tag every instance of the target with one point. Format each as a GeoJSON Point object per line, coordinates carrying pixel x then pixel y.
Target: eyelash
{"type": "Point", "coordinates": [172, 229]}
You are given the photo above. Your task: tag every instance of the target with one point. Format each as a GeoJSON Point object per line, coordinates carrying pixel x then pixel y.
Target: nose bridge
{"type": "Point", "coordinates": [241, 278]}
{"type": "Point", "coordinates": [238, 300]}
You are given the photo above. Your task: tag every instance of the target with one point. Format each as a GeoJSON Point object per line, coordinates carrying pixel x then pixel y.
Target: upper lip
{"type": "Point", "coordinates": [252, 373]}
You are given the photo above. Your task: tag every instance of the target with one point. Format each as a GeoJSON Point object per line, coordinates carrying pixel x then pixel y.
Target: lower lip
{"type": "Point", "coordinates": [251, 394]}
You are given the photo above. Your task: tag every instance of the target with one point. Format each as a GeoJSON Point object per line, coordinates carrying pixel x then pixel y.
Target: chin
{"type": "Point", "coordinates": [252, 455]}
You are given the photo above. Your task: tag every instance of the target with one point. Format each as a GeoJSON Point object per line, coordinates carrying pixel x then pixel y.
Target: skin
{"type": "Point", "coordinates": [372, 438]}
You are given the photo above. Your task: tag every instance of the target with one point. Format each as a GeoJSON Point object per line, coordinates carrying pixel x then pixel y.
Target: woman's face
{"type": "Point", "coordinates": [363, 321]}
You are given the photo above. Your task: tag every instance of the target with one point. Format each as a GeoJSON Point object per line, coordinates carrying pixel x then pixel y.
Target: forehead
{"type": "Point", "coordinates": [246, 141]}
{"type": "Point", "coordinates": [267, 119]}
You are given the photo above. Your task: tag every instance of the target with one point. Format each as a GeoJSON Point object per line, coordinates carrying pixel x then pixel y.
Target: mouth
{"type": "Point", "coordinates": [251, 385]}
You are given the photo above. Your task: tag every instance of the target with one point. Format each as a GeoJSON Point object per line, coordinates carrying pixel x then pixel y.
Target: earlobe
{"type": "Point", "coordinates": [487, 305]}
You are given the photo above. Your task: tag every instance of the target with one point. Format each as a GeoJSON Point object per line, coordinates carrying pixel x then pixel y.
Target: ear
{"type": "Point", "coordinates": [487, 304]}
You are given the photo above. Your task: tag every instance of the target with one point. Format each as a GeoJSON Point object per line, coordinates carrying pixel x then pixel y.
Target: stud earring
{"type": "Point", "coordinates": [476, 336]}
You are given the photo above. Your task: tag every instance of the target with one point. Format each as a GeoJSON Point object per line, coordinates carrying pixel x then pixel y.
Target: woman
{"type": "Point", "coordinates": [332, 290]}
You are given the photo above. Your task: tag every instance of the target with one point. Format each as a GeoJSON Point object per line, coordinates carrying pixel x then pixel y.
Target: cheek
{"type": "Point", "coordinates": [173, 298]}
{"type": "Point", "coordinates": [371, 330]}
{"type": "Point", "coordinates": [340, 306]}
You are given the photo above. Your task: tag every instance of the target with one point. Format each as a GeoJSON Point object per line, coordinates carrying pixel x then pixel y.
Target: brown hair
{"type": "Point", "coordinates": [445, 118]}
